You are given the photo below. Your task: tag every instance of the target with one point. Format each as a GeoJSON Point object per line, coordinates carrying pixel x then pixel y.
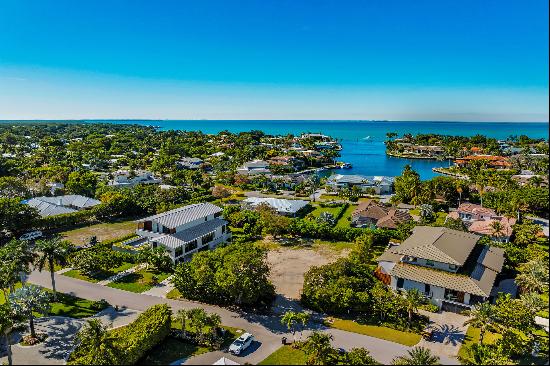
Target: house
{"type": "Point", "coordinates": [544, 223]}
{"type": "Point", "coordinates": [470, 212]}
{"type": "Point", "coordinates": [288, 161]}
{"type": "Point", "coordinates": [492, 161]}
{"type": "Point", "coordinates": [127, 178]}
{"type": "Point", "coordinates": [183, 231]}
{"type": "Point", "coordinates": [380, 184]}
{"type": "Point", "coordinates": [434, 150]}
{"type": "Point", "coordinates": [447, 266]}
{"type": "Point", "coordinates": [57, 205]}
{"type": "Point", "coordinates": [373, 214]}
{"type": "Point", "coordinates": [190, 163]}
{"type": "Point", "coordinates": [527, 177]}
{"type": "Point", "coordinates": [254, 167]}
{"type": "Point", "coordinates": [487, 227]}
{"type": "Point", "coordinates": [282, 206]}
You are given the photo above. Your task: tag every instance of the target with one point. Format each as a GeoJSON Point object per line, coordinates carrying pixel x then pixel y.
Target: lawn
{"type": "Point", "coordinates": [174, 294]}
{"type": "Point", "coordinates": [139, 281]}
{"type": "Point", "coordinates": [331, 197]}
{"type": "Point", "coordinates": [345, 220]}
{"type": "Point", "coordinates": [392, 335]}
{"type": "Point", "coordinates": [337, 246]}
{"type": "Point", "coordinates": [286, 355]}
{"type": "Point", "coordinates": [74, 273]}
{"type": "Point", "coordinates": [103, 232]}
{"type": "Point", "coordinates": [439, 220]}
{"type": "Point", "coordinates": [333, 210]}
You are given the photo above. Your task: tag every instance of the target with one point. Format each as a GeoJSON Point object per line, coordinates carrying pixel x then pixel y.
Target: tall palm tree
{"type": "Point", "coordinates": [417, 356]}
{"type": "Point", "coordinates": [290, 319]}
{"type": "Point", "coordinates": [497, 229]}
{"type": "Point", "coordinates": [413, 299]}
{"type": "Point", "coordinates": [99, 348]}
{"type": "Point", "coordinates": [318, 349]}
{"type": "Point", "coordinates": [27, 300]}
{"type": "Point", "coordinates": [303, 318]}
{"type": "Point", "coordinates": [182, 316]}
{"type": "Point", "coordinates": [533, 276]}
{"type": "Point", "coordinates": [482, 316]}
{"type": "Point", "coordinates": [51, 251]}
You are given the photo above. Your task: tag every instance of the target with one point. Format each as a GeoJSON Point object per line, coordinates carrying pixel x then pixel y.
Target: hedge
{"type": "Point", "coordinates": [136, 339]}
{"type": "Point", "coordinates": [64, 220]}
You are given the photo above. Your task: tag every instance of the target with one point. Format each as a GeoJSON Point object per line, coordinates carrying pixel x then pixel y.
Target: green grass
{"type": "Point", "coordinates": [174, 294]}
{"type": "Point", "coordinates": [392, 335]}
{"type": "Point", "coordinates": [333, 245]}
{"type": "Point", "coordinates": [170, 350]}
{"type": "Point", "coordinates": [332, 210]}
{"type": "Point", "coordinates": [345, 220]}
{"type": "Point", "coordinates": [74, 273]}
{"type": "Point", "coordinates": [286, 355]}
{"type": "Point", "coordinates": [440, 216]}
{"type": "Point", "coordinates": [138, 281]}
{"type": "Point", "coordinates": [103, 232]}
{"type": "Point", "coordinates": [472, 337]}
{"type": "Point", "coordinates": [331, 197]}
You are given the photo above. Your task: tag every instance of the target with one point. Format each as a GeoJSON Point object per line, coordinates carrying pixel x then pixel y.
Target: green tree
{"type": "Point", "coordinates": [51, 251]}
{"type": "Point", "coordinates": [97, 345]}
{"type": "Point", "coordinates": [82, 182]}
{"type": "Point", "coordinates": [487, 354]}
{"type": "Point", "coordinates": [417, 356]}
{"type": "Point", "coordinates": [7, 322]}
{"type": "Point", "coordinates": [533, 276]}
{"type": "Point", "coordinates": [358, 356]}
{"type": "Point", "coordinates": [318, 349]}
{"type": "Point", "coordinates": [290, 320]}
{"type": "Point", "coordinates": [407, 187]}
{"type": "Point", "coordinates": [156, 258]}
{"type": "Point", "coordinates": [482, 316]}
{"type": "Point", "coordinates": [413, 299]}
{"type": "Point", "coordinates": [27, 300]}
{"type": "Point", "coordinates": [182, 316]}
{"type": "Point", "coordinates": [15, 217]}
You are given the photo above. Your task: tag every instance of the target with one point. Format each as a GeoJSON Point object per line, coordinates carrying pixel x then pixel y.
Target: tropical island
{"type": "Point", "coordinates": [248, 222]}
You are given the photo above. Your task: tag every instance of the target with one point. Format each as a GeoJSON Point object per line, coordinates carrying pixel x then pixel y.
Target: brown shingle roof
{"type": "Point", "coordinates": [393, 219]}
{"type": "Point", "coordinates": [371, 209]}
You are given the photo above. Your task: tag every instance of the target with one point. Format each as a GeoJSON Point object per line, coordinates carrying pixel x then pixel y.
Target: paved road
{"type": "Point", "coordinates": [267, 329]}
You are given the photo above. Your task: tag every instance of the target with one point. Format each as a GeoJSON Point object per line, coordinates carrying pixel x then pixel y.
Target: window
{"type": "Point", "coordinates": [400, 282]}
{"type": "Point", "coordinates": [427, 289]}
{"type": "Point", "coordinates": [178, 251]}
{"type": "Point", "coordinates": [429, 263]}
{"type": "Point", "coordinates": [452, 267]}
{"type": "Point", "coordinates": [192, 245]}
{"type": "Point", "coordinates": [223, 229]}
{"type": "Point", "coordinates": [207, 238]}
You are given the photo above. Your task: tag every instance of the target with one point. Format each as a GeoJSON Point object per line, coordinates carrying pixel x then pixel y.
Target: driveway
{"type": "Point", "coordinates": [267, 329]}
{"type": "Point", "coordinates": [448, 334]}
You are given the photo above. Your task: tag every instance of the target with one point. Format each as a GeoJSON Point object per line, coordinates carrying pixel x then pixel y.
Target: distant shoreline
{"type": "Point", "coordinates": [258, 120]}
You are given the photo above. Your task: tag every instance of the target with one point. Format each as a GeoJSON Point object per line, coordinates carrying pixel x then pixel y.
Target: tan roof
{"type": "Point", "coordinates": [371, 209]}
{"type": "Point", "coordinates": [484, 226]}
{"type": "Point", "coordinates": [480, 283]}
{"type": "Point", "coordinates": [439, 244]}
{"type": "Point", "coordinates": [492, 258]}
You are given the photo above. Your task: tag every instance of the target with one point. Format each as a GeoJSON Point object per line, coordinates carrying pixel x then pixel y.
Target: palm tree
{"type": "Point", "coordinates": [6, 326]}
{"type": "Point", "coordinates": [533, 276]}
{"type": "Point", "coordinates": [318, 349]}
{"type": "Point", "coordinates": [182, 316]}
{"type": "Point", "coordinates": [482, 316]}
{"type": "Point", "coordinates": [27, 300]}
{"type": "Point", "coordinates": [51, 251]}
{"type": "Point", "coordinates": [19, 254]}
{"type": "Point", "coordinates": [289, 319]}
{"type": "Point", "coordinates": [413, 299]}
{"type": "Point", "coordinates": [97, 346]}
{"type": "Point", "coordinates": [497, 229]}
{"type": "Point", "coordinates": [303, 318]}
{"type": "Point", "coordinates": [417, 356]}
{"type": "Point", "coordinates": [487, 354]}
{"type": "Point", "coordinates": [532, 301]}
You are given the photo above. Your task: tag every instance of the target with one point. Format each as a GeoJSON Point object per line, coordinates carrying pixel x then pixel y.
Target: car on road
{"type": "Point", "coordinates": [241, 343]}
{"type": "Point", "coordinates": [31, 235]}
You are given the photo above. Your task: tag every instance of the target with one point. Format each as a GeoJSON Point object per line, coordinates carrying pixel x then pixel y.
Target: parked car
{"type": "Point", "coordinates": [31, 235]}
{"type": "Point", "coordinates": [241, 343]}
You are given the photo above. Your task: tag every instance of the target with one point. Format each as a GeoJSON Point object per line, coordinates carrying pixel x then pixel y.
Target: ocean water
{"type": "Point", "coordinates": [362, 141]}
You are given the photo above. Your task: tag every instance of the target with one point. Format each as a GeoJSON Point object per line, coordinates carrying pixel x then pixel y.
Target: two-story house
{"type": "Point", "coordinates": [127, 178]}
{"type": "Point", "coordinates": [447, 266]}
{"type": "Point", "coordinates": [254, 167]}
{"type": "Point", "coordinates": [185, 230]}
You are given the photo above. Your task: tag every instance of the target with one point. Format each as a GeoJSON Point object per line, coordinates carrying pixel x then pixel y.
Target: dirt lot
{"type": "Point", "coordinates": [106, 231]}
{"type": "Point", "coordinates": [288, 266]}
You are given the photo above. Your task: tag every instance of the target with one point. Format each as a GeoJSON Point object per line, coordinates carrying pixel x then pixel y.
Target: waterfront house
{"type": "Point", "coordinates": [183, 231]}
{"type": "Point", "coordinates": [492, 161]}
{"type": "Point", "coordinates": [487, 227]}
{"type": "Point", "coordinates": [130, 178]}
{"type": "Point", "coordinates": [281, 206]}
{"type": "Point", "coordinates": [190, 163]}
{"type": "Point", "coordinates": [447, 266]}
{"type": "Point", "coordinates": [379, 184]}
{"type": "Point", "coordinates": [373, 214]}
{"type": "Point", "coordinates": [470, 212]}
{"type": "Point", "coordinates": [254, 167]}
{"type": "Point", "coordinates": [57, 205]}
{"type": "Point", "coordinates": [286, 161]}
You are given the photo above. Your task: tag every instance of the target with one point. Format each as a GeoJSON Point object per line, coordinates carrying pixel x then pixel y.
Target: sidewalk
{"type": "Point", "coordinates": [161, 289]}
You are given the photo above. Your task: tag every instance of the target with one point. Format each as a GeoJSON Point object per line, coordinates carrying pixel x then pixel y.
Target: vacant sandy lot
{"type": "Point", "coordinates": [288, 266]}
{"type": "Point", "coordinates": [103, 232]}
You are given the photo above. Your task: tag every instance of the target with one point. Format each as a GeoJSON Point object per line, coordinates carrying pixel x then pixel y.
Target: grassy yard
{"type": "Point", "coordinates": [332, 210]}
{"type": "Point", "coordinates": [139, 281]}
{"type": "Point", "coordinates": [345, 220]}
{"type": "Point", "coordinates": [331, 197]}
{"type": "Point", "coordinates": [103, 232]}
{"type": "Point", "coordinates": [440, 216]}
{"type": "Point", "coordinates": [174, 294]}
{"type": "Point", "coordinates": [74, 273]}
{"type": "Point", "coordinates": [392, 335]}
{"type": "Point", "coordinates": [286, 355]}
{"type": "Point", "coordinates": [337, 246]}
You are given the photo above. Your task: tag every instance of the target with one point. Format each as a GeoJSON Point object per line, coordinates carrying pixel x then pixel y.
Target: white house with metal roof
{"type": "Point", "coordinates": [447, 266]}
{"type": "Point", "coordinates": [57, 205]}
{"type": "Point", "coordinates": [282, 206]}
{"type": "Point", "coordinates": [380, 184]}
{"type": "Point", "coordinates": [183, 231]}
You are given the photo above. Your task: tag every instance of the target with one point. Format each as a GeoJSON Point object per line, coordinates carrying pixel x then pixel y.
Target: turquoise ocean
{"type": "Point", "coordinates": [362, 141]}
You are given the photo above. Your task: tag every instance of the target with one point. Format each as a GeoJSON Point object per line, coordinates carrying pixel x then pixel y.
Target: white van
{"type": "Point", "coordinates": [31, 235]}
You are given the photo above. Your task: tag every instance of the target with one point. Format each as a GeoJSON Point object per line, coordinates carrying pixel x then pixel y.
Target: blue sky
{"type": "Point", "coordinates": [275, 59]}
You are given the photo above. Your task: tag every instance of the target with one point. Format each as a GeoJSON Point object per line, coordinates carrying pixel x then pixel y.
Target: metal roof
{"type": "Point", "coordinates": [183, 215]}
{"type": "Point", "coordinates": [439, 244]}
{"type": "Point", "coordinates": [280, 205]}
{"type": "Point", "coordinates": [180, 238]}
{"type": "Point", "coordinates": [48, 209]}
{"type": "Point", "coordinates": [74, 200]}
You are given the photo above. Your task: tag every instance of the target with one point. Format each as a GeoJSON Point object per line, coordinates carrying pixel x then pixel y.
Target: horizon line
{"type": "Point", "coordinates": [252, 120]}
